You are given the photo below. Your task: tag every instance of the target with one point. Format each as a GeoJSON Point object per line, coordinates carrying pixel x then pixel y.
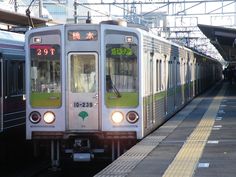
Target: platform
{"type": "Point", "coordinates": [198, 141]}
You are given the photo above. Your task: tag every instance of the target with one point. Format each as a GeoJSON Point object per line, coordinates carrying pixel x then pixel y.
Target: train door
{"type": "Point", "coordinates": [83, 91]}
{"type": "Point", "coordinates": [1, 95]}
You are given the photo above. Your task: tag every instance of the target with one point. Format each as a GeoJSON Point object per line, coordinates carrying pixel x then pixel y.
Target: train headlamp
{"type": "Point", "coordinates": [117, 117]}
{"type": "Point", "coordinates": [49, 117]}
{"type": "Point", "coordinates": [37, 40]}
{"type": "Point", "coordinates": [132, 117]}
{"type": "Point", "coordinates": [35, 117]}
{"type": "Point", "coordinates": [129, 39]}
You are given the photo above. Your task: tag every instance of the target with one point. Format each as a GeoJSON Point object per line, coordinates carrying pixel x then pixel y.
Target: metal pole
{"type": "Point", "coordinates": [113, 150]}
{"type": "Point", "coordinates": [40, 8]}
{"type": "Point", "coordinates": [55, 154]}
{"type": "Point", "coordinates": [75, 11]}
{"type": "Point", "coordinates": [15, 5]}
{"type": "Point", "coordinates": [234, 14]}
{"type": "Point", "coordinates": [52, 153]}
{"type": "Point", "coordinates": [124, 9]}
{"type": "Point", "coordinates": [118, 148]}
{"type": "Point", "coordinates": [58, 153]}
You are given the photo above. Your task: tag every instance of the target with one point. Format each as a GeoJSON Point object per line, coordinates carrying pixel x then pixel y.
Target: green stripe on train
{"type": "Point", "coordinates": [127, 99]}
{"type": "Point", "coordinates": [160, 95]}
{"type": "Point", "coordinates": [40, 99]}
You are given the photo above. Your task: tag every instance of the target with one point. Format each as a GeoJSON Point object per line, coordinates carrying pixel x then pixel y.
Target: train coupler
{"type": "Point", "coordinates": [82, 151]}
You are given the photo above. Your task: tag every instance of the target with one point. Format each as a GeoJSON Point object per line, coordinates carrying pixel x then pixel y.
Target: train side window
{"type": "Point", "coordinates": [160, 74]}
{"type": "Point", "coordinates": [163, 75]}
{"type": "Point", "coordinates": [16, 75]}
{"type": "Point", "coordinates": [157, 75]}
{"type": "Point", "coordinates": [172, 75]}
{"type": "Point", "coordinates": [169, 74]}
{"type": "Point", "coordinates": [178, 74]}
{"type": "Point", "coordinates": [182, 65]}
{"type": "Point", "coordinates": [185, 76]}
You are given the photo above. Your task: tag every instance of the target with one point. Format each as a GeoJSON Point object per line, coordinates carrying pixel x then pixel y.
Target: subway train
{"type": "Point", "coordinates": [12, 81]}
{"type": "Point", "coordinates": [12, 102]}
{"type": "Point", "coordinates": [99, 88]}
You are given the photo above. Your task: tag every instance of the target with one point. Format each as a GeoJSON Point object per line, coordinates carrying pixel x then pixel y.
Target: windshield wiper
{"type": "Point", "coordinates": [110, 85]}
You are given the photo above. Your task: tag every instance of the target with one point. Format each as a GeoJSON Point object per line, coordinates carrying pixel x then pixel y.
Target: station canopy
{"type": "Point", "coordinates": [13, 18]}
{"type": "Point", "coordinates": [224, 40]}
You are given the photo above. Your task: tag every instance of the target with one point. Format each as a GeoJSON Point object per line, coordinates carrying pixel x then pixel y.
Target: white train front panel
{"type": "Point", "coordinates": [83, 79]}
{"type": "Point", "coordinates": [120, 68]}
{"type": "Point", "coordinates": [83, 113]}
{"type": "Point", "coordinates": [45, 103]}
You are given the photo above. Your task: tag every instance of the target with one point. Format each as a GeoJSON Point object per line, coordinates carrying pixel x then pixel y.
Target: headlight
{"type": "Point", "coordinates": [49, 117]}
{"type": "Point", "coordinates": [132, 117]}
{"type": "Point", "coordinates": [35, 117]}
{"type": "Point", "coordinates": [117, 117]}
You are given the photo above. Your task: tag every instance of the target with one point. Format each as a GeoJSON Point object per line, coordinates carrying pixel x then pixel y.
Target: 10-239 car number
{"type": "Point", "coordinates": [83, 104]}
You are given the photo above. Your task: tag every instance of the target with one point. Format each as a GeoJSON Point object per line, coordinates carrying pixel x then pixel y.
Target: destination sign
{"type": "Point", "coordinates": [82, 35]}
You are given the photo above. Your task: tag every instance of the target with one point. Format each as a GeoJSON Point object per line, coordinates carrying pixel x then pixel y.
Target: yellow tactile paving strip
{"type": "Point", "coordinates": [188, 157]}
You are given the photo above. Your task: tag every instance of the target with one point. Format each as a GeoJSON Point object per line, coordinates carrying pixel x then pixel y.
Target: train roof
{"type": "Point", "coordinates": [142, 30]}
{"type": "Point", "coordinates": [10, 37]}
{"type": "Point", "coordinates": [189, 49]}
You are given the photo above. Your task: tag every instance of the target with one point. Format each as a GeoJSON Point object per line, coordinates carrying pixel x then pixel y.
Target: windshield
{"type": "Point", "coordinates": [45, 76]}
{"type": "Point", "coordinates": [121, 75]}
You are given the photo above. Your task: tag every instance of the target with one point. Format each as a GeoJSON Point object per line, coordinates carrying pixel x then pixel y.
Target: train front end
{"type": "Point", "coordinates": [83, 88]}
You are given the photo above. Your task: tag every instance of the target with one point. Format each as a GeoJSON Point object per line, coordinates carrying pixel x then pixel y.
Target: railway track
{"type": "Point", "coordinates": [41, 168]}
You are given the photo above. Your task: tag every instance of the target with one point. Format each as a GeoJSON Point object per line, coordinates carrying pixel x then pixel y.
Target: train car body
{"type": "Point", "coordinates": [93, 85]}
{"type": "Point", "coordinates": [12, 80]}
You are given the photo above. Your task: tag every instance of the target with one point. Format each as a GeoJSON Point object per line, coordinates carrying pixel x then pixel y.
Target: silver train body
{"type": "Point", "coordinates": [89, 86]}
{"type": "Point", "coordinates": [12, 81]}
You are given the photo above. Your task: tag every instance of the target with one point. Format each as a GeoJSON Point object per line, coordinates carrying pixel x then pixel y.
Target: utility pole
{"type": "Point", "coordinates": [40, 9]}
{"type": "Point", "coordinates": [15, 5]}
{"type": "Point", "coordinates": [234, 14]}
{"type": "Point", "coordinates": [75, 12]}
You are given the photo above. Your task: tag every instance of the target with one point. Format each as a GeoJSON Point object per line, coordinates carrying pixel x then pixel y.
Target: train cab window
{"type": "Point", "coordinates": [121, 75]}
{"type": "Point", "coordinates": [45, 76]}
